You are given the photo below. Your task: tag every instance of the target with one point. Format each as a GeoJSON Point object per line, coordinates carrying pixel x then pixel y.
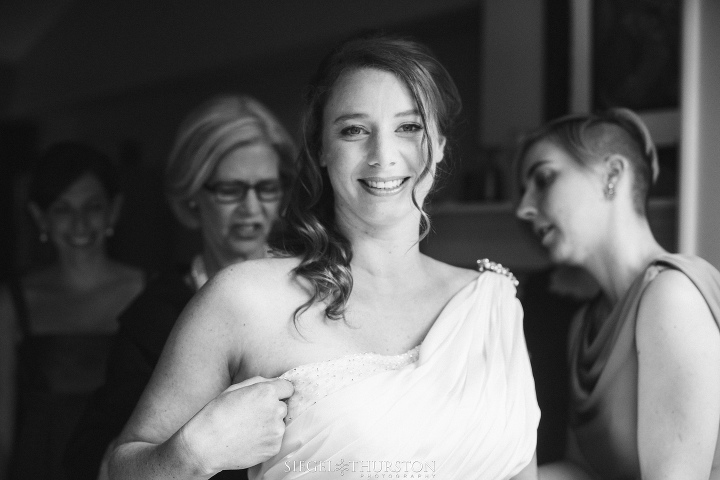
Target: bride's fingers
{"type": "Point", "coordinates": [247, 383]}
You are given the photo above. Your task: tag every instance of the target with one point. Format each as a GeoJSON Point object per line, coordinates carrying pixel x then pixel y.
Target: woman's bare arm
{"type": "Point", "coordinates": [678, 346]}
{"type": "Point", "coordinates": [191, 422]}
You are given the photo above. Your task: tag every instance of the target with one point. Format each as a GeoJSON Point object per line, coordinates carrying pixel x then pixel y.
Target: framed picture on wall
{"type": "Point", "coordinates": [627, 53]}
{"type": "Point", "coordinates": [636, 54]}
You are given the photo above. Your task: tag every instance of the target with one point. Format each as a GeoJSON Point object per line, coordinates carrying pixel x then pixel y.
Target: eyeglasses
{"type": "Point", "coordinates": [237, 190]}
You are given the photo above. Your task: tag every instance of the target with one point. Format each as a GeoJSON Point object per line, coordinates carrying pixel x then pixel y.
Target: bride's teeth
{"type": "Point", "coordinates": [385, 185]}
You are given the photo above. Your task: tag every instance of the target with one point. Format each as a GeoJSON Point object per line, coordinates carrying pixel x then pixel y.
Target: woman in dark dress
{"type": "Point", "coordinates": [63, 315]}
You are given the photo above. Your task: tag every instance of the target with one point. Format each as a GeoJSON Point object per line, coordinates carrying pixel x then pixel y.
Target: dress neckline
{"type": "Point", "coordinates": [351, 356]}
{"type": "Point", "coordinates": [443, 311]}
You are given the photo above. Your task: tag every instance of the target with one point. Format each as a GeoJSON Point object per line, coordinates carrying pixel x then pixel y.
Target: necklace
{"type": "Point", "coordinates": [198, 272]}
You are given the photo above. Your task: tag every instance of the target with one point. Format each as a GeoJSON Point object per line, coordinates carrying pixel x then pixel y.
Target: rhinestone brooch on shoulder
{"type": "Point", "coordinates": [486, 265]}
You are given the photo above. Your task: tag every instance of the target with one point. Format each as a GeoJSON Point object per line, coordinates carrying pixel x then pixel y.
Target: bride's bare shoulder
{"type": "Point", "coordinates": [256, 275]}
{"type": "Point", "coordinates": [453, 275]}
{"type": "Point", "coordinates": [256, 286]}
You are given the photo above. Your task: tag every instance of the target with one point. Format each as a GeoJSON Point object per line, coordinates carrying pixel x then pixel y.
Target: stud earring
{"type": "Point", "coordinates": [610, 191]}
{"type": "Point", "coordinates": [43, 237]}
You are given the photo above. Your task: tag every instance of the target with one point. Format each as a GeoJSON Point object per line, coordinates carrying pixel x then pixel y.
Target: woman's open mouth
{"type": "Point", "coordinates": [383, 186]}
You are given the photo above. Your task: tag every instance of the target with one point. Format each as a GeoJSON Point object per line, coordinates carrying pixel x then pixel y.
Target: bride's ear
{"type": "Point", "coordinates": [440, 154]}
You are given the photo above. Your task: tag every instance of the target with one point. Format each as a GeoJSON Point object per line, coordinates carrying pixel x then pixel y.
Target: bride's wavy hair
{"type": "Point", "coordinates": [312, 233]}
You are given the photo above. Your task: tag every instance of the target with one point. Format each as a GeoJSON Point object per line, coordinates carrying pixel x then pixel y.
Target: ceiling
{"type": "Point", "coordinates": [24, 22]}
{"type": "Point", "coordinates": [61, 51]}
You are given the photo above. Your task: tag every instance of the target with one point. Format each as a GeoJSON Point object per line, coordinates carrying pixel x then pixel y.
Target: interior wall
{"type": "Point", "coordinates": [137, 124]}
{"type": "Point", "coordinates": [700, 154]}
{"type": "Point", "coordinates": [512, 82]}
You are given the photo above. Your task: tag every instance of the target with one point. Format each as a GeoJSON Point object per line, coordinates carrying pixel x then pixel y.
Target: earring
{"type": "Point", "coordinates": [610, 191]}
{"type": "Point", "coordinates": [109, 232]}
{"type": "Point", "coordinates": [43, 237]}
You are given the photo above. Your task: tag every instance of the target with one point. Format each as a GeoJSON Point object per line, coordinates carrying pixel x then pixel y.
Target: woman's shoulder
{"type": "Point", "coordinates": [672, 276]}
{"type": "Point", "coordinates": [691, 265]}
{"type": "Point", "coordinates": [39, 278]}
{"type": "Point", "coordinates": [447, 274]}
{"type": "Point", "coordinates": [464, 275]}
{"type": "Point", "coordinates": [670, 300]}
{"type": "Point", "coordinates": [258, 273]}
{"type": "Point", "coordinates": [256, 283]}
{"type": "Point", "coordinates": [671, 286]}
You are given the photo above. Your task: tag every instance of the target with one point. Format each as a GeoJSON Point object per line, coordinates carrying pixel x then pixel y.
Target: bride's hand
{"type": "Point", "coordinates": [241, 427]}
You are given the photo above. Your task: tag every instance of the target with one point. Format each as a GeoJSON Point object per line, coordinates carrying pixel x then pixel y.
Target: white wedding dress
{"type": "Point", "coordinates": [459, 406]}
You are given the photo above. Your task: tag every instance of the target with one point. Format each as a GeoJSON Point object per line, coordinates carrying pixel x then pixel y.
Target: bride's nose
{"type": "Point", "coordinates": [381, 152]}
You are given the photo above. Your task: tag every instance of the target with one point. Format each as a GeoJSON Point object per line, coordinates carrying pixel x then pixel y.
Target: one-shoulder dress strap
{"type": "Point", "coordinates": [21, 308]}
{"type": "Point", "coordinates": [486, 265]}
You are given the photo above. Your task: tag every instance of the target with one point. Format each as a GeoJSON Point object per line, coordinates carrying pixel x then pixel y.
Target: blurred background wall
{"type": "Point", "coordinates": [121, 75]}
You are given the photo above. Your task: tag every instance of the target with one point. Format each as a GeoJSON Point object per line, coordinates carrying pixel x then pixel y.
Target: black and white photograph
{"type": "Point", "coordinates": [332, 240]}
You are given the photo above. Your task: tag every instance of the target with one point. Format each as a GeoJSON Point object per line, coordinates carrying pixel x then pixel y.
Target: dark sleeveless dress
{"type": "Point", "coordinates": [604, 371]}
{"type": "Point", "coordinates": [55, 376]}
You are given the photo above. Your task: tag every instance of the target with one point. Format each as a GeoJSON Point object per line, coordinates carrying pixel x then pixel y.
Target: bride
{"type": "Point", "coordinates": [388, 361]}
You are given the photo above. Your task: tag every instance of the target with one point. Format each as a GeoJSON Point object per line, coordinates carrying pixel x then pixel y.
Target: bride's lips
{"type": "Point", "coordinates": [381, 187]}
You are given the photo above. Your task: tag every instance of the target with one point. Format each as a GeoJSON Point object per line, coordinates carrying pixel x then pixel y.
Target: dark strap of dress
{"type": "Point", "coordinates": [21, 308]}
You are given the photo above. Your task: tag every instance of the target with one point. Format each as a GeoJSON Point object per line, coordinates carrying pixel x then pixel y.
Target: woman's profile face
{"type": "Point", "coordinates": [78, 219]}
{"type": "Point", "coordinates": [563, 201]}
{"type": "Point", "coordinates": [238, 211]}
{"type": "Point", "coordinates": [373, 148]}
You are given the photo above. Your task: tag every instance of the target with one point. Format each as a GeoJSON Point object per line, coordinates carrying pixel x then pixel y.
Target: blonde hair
{"type": "Point", "coordinates": [211, 131]}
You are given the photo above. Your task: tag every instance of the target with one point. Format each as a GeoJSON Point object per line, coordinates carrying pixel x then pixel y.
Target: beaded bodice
{"type": "Point", "coordinates": [315, 381]}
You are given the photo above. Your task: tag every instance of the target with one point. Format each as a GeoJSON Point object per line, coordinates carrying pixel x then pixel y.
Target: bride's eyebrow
{"type": "Point", "coordinates": [408, 113]}
{"type": "Point", "coordinates": [349, 116]}
{"type": "Point", "coordinates": [413, 112]}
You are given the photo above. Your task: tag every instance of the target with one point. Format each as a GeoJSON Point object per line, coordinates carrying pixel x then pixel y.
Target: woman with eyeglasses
{"type": "Point", "coordinates": [226, 175]}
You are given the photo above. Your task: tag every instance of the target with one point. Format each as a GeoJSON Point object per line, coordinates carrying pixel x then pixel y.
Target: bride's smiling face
{"type": "Point", "coordinates": [373, 145]}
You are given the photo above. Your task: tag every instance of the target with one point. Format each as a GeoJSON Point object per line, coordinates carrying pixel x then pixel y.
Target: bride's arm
{"type": "Point", "coordinates": [190, 422]}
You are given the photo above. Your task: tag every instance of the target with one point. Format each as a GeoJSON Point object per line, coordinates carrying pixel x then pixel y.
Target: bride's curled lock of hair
{"type": "Point", "coordinates": [311, 232]}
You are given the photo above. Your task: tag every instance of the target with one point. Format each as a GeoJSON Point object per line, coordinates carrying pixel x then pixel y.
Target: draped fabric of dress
{"type": "Point", "coordinates": [604, 371]}
{"type": "Point", "coordinates": [459, 406]}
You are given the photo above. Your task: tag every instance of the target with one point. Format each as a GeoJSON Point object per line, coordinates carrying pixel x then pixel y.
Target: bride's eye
{"type": "Point", "coordinates": [352, 130]}
{"type": "Point", "coordinates": [410, 128]}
